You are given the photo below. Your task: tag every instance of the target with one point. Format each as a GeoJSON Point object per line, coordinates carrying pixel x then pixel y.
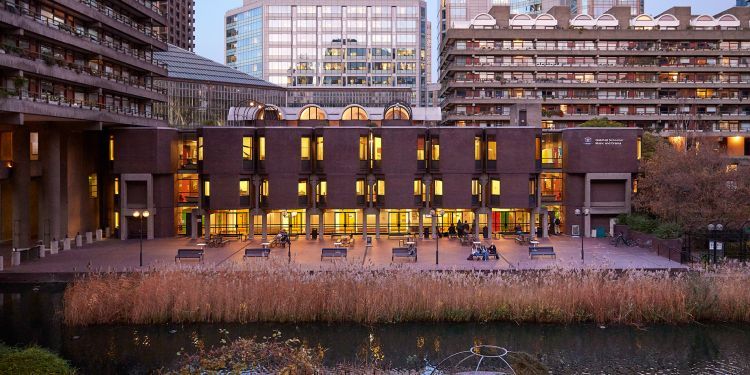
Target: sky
{"type": "Point", "coordinates": [209, 21]}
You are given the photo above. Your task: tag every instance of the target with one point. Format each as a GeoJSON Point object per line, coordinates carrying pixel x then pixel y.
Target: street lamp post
{"type": "Point", "coordinates": [714, 245]}
{"type": "Point", "coordinates": [436, 214]}
{"type": "Point", "coordinates": [140, 216]}
{"type": "Point", "coordinates": [289, 215]}
{"type": "Point", "coordinates": [582, 231]}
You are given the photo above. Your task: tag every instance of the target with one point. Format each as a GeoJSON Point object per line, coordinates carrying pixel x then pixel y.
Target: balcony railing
{"type": "Point", "coordinates": [125, 20]}
{"type": "Point", "coordinates": [86, 105]}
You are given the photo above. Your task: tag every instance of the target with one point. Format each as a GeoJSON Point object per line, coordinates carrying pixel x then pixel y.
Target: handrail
{"type": "Point", "coordinates": [122, 19]}
{"type": "Point", "coordinates": [88, 105]}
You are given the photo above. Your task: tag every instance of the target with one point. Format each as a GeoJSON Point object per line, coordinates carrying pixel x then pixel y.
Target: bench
{"type": "Point", "coordinates": [522, 239]}
{"type": "Point", "coordinates": [332, 253]}
{"type": "Point", "coordinates": [256, 253]}
{"type": "Point", "coordinates": [404, 252]}
{"type": "Point", "coordinates": [541, 251]}
{"type": "Point", "coordinates": [196, 254]}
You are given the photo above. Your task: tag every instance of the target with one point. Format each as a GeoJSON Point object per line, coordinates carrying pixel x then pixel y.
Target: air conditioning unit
{"type": "Point", "coordinates": [575, 231]}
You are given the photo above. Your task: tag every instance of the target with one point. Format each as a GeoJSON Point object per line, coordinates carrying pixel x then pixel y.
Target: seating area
{"type": "Point", "coordinates": [189, 254]}
{"type": "Point", "coordinates": [256, 253]}
{"type": "Point", "coordinates": [333, 253]}
{"type": "Point", "coordinates": [404, 252]}
{"type": "Point", "coordinates": [538, 251]}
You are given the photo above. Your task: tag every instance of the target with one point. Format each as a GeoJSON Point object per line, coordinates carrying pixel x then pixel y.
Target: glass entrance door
{"type": "Point", "coordinates": [345, 222]}
{"type": "Point", "coordinates": [398, 223]}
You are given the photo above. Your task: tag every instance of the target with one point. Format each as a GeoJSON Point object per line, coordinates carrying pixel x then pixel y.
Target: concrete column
{"type": "Point", "coordinates": [587, 225]}
{"type": "Point", "coordinates": [321, 226]}
{"type": "Point", "coordinates": [308, 226]}
{"type": "Point", "coordinates": [533, 223]}
{"type": "Point", "coordinates": [207, 225]}
{"type": "Point", "coordinates": [264, 226]}
{"type": "Point", "coordinates": [377, 225]}
{"type": "Point", "coordinates": [364, 225]}
{"type": "Point", "coordinates": [251, 226]}
{"type": "Point", "coordinates": [421, 225]}
{"type": "Point", "coordinates": [194, 224]}
{"type": "Point", "coordinates": [21, 181]}
{"type": "Point", "coordinates": [489, 224]}
{"type": "Point", "coordinates": [476, 224]}
{"type": "Point", "coordinates": [434, 227]}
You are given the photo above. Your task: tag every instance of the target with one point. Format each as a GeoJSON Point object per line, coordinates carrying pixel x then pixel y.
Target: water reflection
{"type": "Point", "coordinates": [33, 317]}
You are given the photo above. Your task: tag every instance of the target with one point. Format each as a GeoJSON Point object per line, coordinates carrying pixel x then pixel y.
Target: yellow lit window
{"type": "Point", "coordinates": [206, 188]}
{"type": "Point", "coordinates": [420, 148]}
{"type": "Point", "coordinates": [477, 148]}
{"type": "Point", "coordinates": [322, 188]}
{"type": "Point", "coordinates": [476, 187]}
{"type": "Point", "coordinates": [363, 148]}
{"type": "Point", "coordinates": [435, 150]}
{"type": "Point", "coordinates": [538, 149]}
{"type": "Point", "coordinates": [200, 148]}
{"type": "Point", "coordinates": [117, 219]}
{"type": "Point", "coordinates": [532, 187]}
{"type": "Point", "coordinates": [34, 145]}
{"type": "Point", "coordinates": [244, 188]}
{"type": "Point", "coordinates": [305, 148]}
{"type": "Point", "coordinates": [262, 148]}
{"type": "Point", "coordinates": [319, 149]}
{"type": "Point", "coordinates": [111, 148]}
{"type": "Point", "coordinates": [117, 186]}
{"type": "Point", "coordinates": [639, 148]}
{"type": "Point", "coordinates": [302, 188]}
{"type": "Point", "coordinates": [495, 187]}
{"type": "Point", "coordinates": [380, 187]}
{"type": "Point", "coordinates": [418, 187]}
{"type": "Point", "coordinates": [264, 188]}
{"type": "Point", "coordinates": [93, 186]}
{"type": "Point", "coordinates": [378, 149]}
{"type": "Point", "coordinates": [438, 187]}
{"type": "Point", "coordinates": [247, 148]}
{"type": "Point", "coordinates": [360, 187]}
{"type": "Point", "coordinates": [491, 150]}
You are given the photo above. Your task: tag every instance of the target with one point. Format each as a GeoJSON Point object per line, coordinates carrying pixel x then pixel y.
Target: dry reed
{"type": "Point", "coordinates": [356, 294]}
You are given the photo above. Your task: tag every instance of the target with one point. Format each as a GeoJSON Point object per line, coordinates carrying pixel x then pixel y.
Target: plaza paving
{"type": "Point", "coordinates": [118, 256]}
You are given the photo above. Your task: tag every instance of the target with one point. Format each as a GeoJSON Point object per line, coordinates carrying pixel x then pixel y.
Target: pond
{"type": "Point", "coordinates": [31, 314]}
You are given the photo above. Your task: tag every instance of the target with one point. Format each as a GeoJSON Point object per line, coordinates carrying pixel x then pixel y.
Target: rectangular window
{"type": "Point", "coordinates": [34, 145]}
{"type": "Point", "coordinates": [435, 149]}
{"type": "Point", "coordinates": [491, 149]}
{"type": "Point", "coordinates": [477, 148]}
{"type": "Point", "coordinates": [206, 188]}
{"type": "Point", "coordinates": [496, 187]}
{"type": "Point", "coordinates": [247, 148]}
{"type": "Point", "coordinates": [200, 148]}
{"type": "Point", "coordinates": [362, 148]}
{"type": "Point", "coordinates": [244, 188]}
{"type": "Point", "coordinates": [380, 187]}
{"type": "Point", "coordinates": [538, 148]}
{"type": "Point", "coordinates": [305, 148]}
{"type": "Point", "coordinates": [639, 149]}
{"type": "Point", "coordinates": [438, 187]}
{"type": "Point", "coordinates": [420, 148]}
{"type": "Point", "coordinates": [262, 148]}
{"type": "Point", "coordinates": [6, 146]}
{"type": "Point", "coordinates": [377, 149]}
{"type": "Point", "coordinates": [302, 188]}
{"type": "Point", "coordinates": [322, 189]}
{"type": "Point", "coordinates": [264, 188]}
{"type": "Point", "coordinates": [111, 148]}
{"type": "Point", "coordinates": [476, 187]}
{"type": "Point", "coordinates": [360, 187]}
{"type": "Point", "coordinates": [532, 187]}
{"type": "Point", "coordinates": [117, 186]}
{"type": "Point", "coordinates": [93, 186]}
{"type": "Point", "coordinates": [117, 219]}
{"type": "Point", "coordinates": [319, 149]}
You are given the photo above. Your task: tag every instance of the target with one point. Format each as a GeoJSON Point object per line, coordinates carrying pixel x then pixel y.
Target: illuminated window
{"type": "Point", "coordinates": [305, 148]}
{"type": "Point", "coordinates": [476, 189]}
{"type": "Point", "coordinates": [362, 148]}
{"type": "Point", "coordinates": [302, 188]}
{"type": "Point", "coordinates": [247, 148]}
{"type": "Point", "coordinates": [435, 154]}
{"type": "Point", "coordinates": [477, 148]}
{"type": "Point", "coordinates": [495, 187]}
{"type": "Point", "coordinates": [206, 188]}
{"type": "Point", "coordinates": [264, 188]}
{"type": "Point", "coordinates": [111, 148]}
{"type": "Point", "coordinates": [438, 187]}
{"type": "Point", "coordinates": [262, 148]}
{"type": "Point", "coordinates": [117, 186]}
{"type": "Point", "coordinates": [322, 189]}
{"type": "Point", "coordinates": [360, 187]}
{"type": "Point", "coordinates": [538, 148]}
{"type": "Point", "coordinates": [319, 149]}
{"type": "Point", "coordinates": [491, 149]}
{"type": "Point", "coordinates": [200, 148]}
{"type": "Point", "coordinates": [34, 145]}
{"type": "Point", "coordinates": [532, 187]}
{"type": "Point", "coordinates": [93, 186]}
{"type": "Point", "coordinates": [420, 190]}
{"type": "Point", "coordinates": [639, 148]}
{"type": "Point", "coordinates": [397, 112]}
{"type": "Point", "coordinates": [6, 146]}
{"type": "Point", "coordinates": [380, 187]}
{"type": "Point", "coordinates": [244, 188]}
{"type": "Point", "coordinates": [377, 148]}
{"type": "Point", "coordinates": [312, 113]}
{"type": "Point", "coordinates": [355, 113]}
{"type": "Point", "coordinates": [117, 219]}
{"type": "Point", "coordinates": [420, 148]}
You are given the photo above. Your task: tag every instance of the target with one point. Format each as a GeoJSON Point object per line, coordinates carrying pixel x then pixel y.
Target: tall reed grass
{"type": "Point", "coordinates": [354, 294]}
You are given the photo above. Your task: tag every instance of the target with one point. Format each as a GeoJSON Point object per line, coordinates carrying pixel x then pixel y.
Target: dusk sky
{"type": "Point", "coordinates": [209, 20]}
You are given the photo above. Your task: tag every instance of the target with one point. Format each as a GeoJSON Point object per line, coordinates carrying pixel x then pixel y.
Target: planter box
{"type": "Point", "coordinates": [670, 249]}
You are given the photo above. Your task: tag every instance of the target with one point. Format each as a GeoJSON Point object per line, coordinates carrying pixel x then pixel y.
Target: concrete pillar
{"type": "Point", "coordinates": [207, 225]}
{"type": "Point", "coordinates": [264, 226]}
{"type": "Point", "coordinates": [545, 224]}
{"type": "Point", "coordinates": [321, 226]}
{"type": "Point", "coordinates": [251, 227]}
{"type": "Point", "coordinates": [533, 223]}
{"type": "Point", "coordinates": [434, 227]}
{"type": "Point", "coordinates": [364, 225]}
{"type": "Point", "coordinates": [308, 226]}
{"type": "Point", "coordinates": [489, 224]}
{"type": "Point", "coordinates": [194, 215]}
{"type": "Point", "coordinates": [51, 209]}
{"type": "Point", "coordinates": [21, 181]}
{"type": "Point", "coordinates": [421, 225]}
{"type": "Point", "coordinates": [377, 225]}
{"type": "Point", "coordinates": [476, 224]}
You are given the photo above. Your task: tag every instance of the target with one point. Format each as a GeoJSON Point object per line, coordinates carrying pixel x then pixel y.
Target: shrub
{"type": "Point", "coordinates": [668, 231]}
{"type": "Point", "coordinates": [639, 222]}
{"type": "Point", "coordinates": [32, 360]}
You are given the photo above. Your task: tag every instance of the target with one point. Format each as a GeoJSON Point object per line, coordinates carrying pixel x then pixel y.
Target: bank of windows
{"type": "Point", "coordinates": [434, 153]}
{"type": "Point", "coordinates": [421, 152]}
{"type": "Point", "coordinates": [437, 192]}
{"type": "Point", "coordinates": [247, 151]}
{"type": "Point", "coordinates": [420, 192]}
{"type": "Point", "coordinates": [379, 192]}
{"type": "Point", "coordinates": [302, 192]}
{"type": "Point", "coordinates": [305, 148]}
{"type": "Point", "coordinates": [360, 191]}
{"type": "Point", "coordinates": [476, 192]}
{"type": "Point", "coordinates": [552, 187]}
{"type": "Point", "coordinates": [321, 192]}
{"type": "Point", "coordinates": [495, 192]}
{"type": "Point", "coordinates": [93, 186]}
{"type": "Point", "coordinates": [187, 188]}
{"type": "Point", "coordinates": [244, 192]}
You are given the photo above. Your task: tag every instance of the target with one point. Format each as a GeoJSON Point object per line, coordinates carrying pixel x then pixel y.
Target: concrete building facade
{"type": "Point", "coordinates": [180, 28]}
{"type": "Point", "coordinates": [332, 43]}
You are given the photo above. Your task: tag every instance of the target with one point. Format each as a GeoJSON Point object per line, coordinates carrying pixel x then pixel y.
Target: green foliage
{"type": "Point", "coordinates": [649, 143]}
{"type": "Point", "coordinates": [646, 224]}
{"type": "Point", "coordinates": [602, 122]}
{"type": "Point", "coordinates": [668, 231]}
{"type": "Point", "coordinates": [32, 360]}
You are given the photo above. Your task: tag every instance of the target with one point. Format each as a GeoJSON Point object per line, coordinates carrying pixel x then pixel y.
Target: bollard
{"type": "Point", "coordinates": [106, 232]}
{"type": "Point", "coordinates": [15, 258]}
{"type": "Point", "coordinates": [66, 244]}
{"type": "Point", "coordinates": [99, 234]}
{"type": "Point", "coordinates": [79, 240]}
{"type": "Point", "coordinates": [54, 247]}
{"type": "Point", "coordinates": [42, 251]}
{"type": "Point", "coordinates": [89, 238]}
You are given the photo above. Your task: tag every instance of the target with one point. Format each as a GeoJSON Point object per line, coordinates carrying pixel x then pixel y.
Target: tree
{"type": "Point", "coordinates": [602, 122]}
{"type": "Point", "coordinates": [649, 144]}
{"type": "Point", "coordinates": [694, 187]}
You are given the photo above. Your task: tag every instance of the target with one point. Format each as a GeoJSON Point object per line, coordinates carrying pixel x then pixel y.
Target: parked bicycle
{"type": "Point", "coordinates": [620, 239]}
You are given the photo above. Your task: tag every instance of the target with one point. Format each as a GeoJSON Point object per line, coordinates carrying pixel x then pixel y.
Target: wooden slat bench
{"type": "Point", "coordinates": [196, 254]}
{"type": "Point", "coordinates": [542, 251]}
{"type": "Point", "coordinates": [333, 253]}
{"type": "Point", "coordinates": [256, 253]}
{"type": "Point", "coordinates": [404, 252]}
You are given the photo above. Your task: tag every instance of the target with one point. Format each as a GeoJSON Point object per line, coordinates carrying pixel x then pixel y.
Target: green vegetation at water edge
{"type": "Point", "coordinates": [32, 360]}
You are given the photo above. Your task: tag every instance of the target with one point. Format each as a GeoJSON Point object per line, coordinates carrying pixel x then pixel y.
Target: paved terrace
{"type": "Point", "coordinates": [116, 255]}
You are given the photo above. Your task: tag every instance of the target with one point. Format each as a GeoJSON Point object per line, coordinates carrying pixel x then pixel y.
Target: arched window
{"type": "Point", "coordinates": [270, 113]}
{"type": "Point", "coordinates": [397, 112]}
{"type": "Point", "coordinates": [312, 112]}
{"type": "Point", "coordinates": [354, 112]}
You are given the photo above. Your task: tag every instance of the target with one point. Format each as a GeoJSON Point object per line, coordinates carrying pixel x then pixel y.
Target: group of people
{"type": "Point", "coordinates": [460, 229]}
{"type": "Point", "coordinates": [483, 252]}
